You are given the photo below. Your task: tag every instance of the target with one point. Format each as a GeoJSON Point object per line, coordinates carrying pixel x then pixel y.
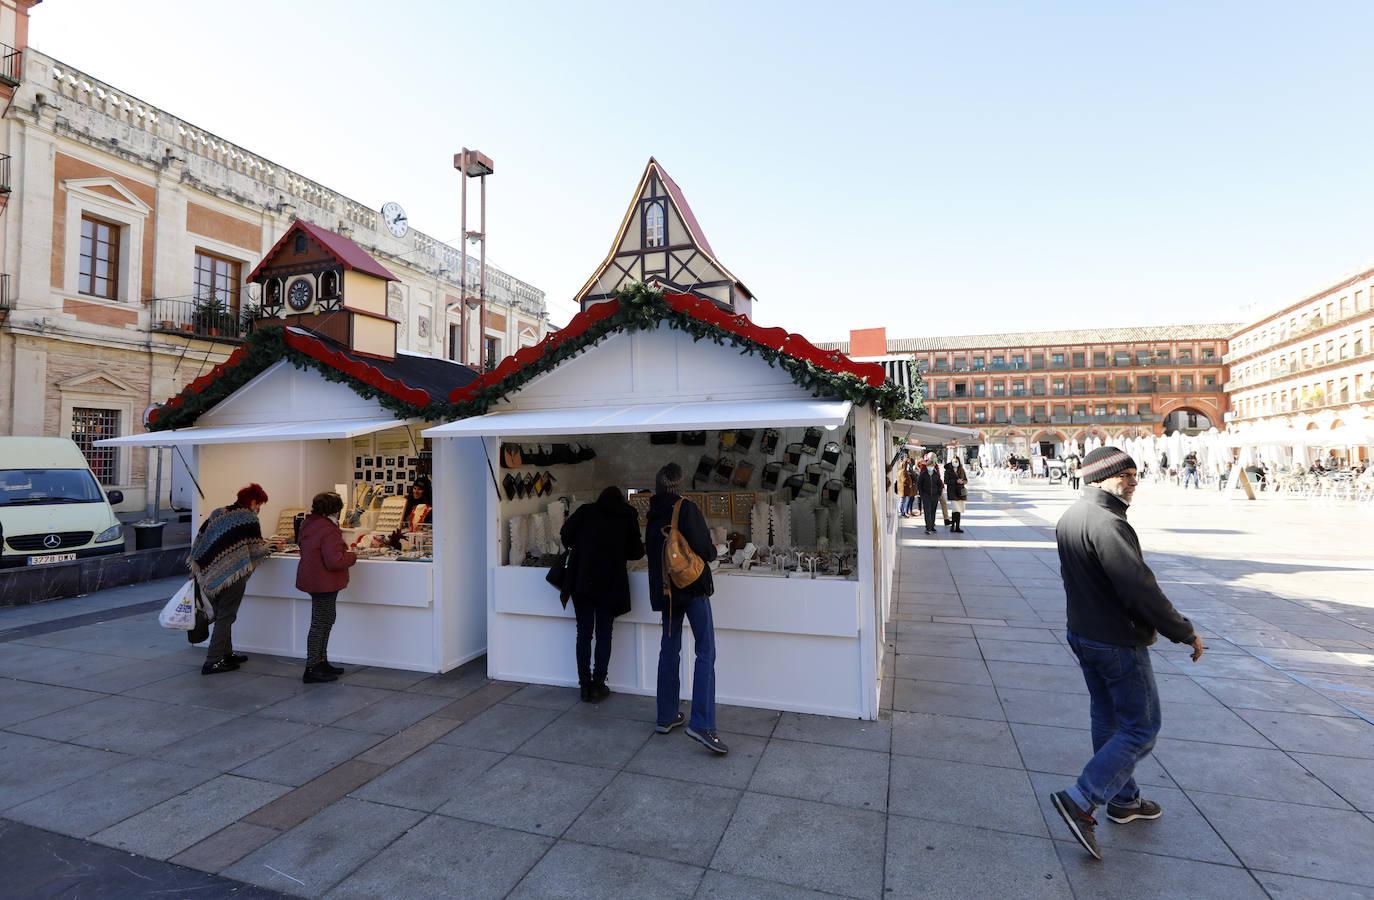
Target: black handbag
{"type": "Point", "coordinates": [201, 630]}
{"type": "Point", "coordinates": [562, 574]}
{"type": "Point", "coordinates": [663, 437]}
{"type": "Point", "coordinates": [693, 438]}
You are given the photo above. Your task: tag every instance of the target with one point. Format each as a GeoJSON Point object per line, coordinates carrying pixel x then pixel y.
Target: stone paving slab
{"type": "Point", "coordinates": [481, 788]}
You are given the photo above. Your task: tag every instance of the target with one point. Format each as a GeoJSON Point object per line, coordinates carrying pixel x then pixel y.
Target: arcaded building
{"type": "Point", "coordinates": [1035, 391]}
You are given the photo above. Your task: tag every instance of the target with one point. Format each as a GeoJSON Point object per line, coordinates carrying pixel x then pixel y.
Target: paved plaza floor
{"type": "Point", "coordinates": [126, 773]}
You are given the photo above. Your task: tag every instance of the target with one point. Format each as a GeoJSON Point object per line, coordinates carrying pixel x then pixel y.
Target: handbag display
{"type": "Point", "coordinates": [510, 456]}
{"type": "Point", "coordinates": [692, 438]}
{"type": "Point", "coordinates": [792, 455]}
{"type": "Point", "coordinates": [705, 466]}
{"type": "Point", "coordinates": [792, 487]}
{"type": "Point", "coordinates": [744, 439]}
{"type": "Point", "coordinates": [744, 470]}
{"type": "Point", "coordinates": [661, 438]}
{"type": "Point", "coordinates": [811, 440]}
{"type": "Point", "coordinates": [768, 444]}
{"type": "Point", "coordinates": [769, 479]}
{"type": "Point", "coordinates": [848, 476]}
{"type": "Point", "coordinates": [830, 494]}
{"type": "Point", "coordinates": [725, 468]}
{"type": "Point", "coordinates": [830, 456]}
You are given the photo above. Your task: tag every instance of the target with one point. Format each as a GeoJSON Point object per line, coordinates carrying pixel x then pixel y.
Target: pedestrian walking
{"type": "Point", "coordinates": [322, 572]}
{"type": "Point", "coordinates": [1190, 473]}
{"type": "Point", "coordinates": [1115, 607]}
{"type": "Point", "coordinates": [604, 536]}
{"type": "Point", "coordinates": [906, 485]}
{"type": "Point", "coordinates": [929, 488]}
{"type": "Point", "coordinates": [668, 509]}
{"type": "Point", "coordinates": [227, 548]}
{"type": "Point", "coordinates": [956, 481]}
{"type": "Point", "coordinates": [1072, 467]}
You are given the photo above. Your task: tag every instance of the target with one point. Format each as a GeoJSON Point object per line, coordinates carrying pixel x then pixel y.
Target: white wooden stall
{"type": "Point", "coordinates": [800, 644]}
{"type": "Point", "coordinates": [292, 431]}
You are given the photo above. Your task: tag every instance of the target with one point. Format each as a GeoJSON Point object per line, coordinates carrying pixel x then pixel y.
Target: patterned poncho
{"type": "Point", "coordinates": [227, 549]}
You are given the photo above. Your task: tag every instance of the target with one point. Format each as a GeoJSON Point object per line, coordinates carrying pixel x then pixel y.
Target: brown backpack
{"type": "Point", "coordinates": [681, 565]}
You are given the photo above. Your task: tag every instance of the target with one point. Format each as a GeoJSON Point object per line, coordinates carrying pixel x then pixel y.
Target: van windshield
{"type": "Point", "coordinates": [31, 487]}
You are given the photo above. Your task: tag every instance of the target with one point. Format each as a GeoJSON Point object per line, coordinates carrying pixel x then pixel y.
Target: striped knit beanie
{"type": "Point", "coordinates": [1104, 462]}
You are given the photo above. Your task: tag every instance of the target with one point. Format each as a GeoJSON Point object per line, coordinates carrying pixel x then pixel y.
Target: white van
{"type": "Point", "coordinates": [51, 507]}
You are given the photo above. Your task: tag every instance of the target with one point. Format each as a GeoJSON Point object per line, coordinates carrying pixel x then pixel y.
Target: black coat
{"type": "Point", "coordinates": [604, 536]}
{"type": "Point", "coordinates": [692, 524]}
{"type": "Point", "coordinates": [953, 489]}
{"type": "Point", "coordinates": [929, 483]}
{"type": "Point", "coordinates": [1112, 594]}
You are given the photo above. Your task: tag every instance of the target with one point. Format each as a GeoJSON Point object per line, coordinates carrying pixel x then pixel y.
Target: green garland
{"type": "Point", "coordinates": [641, 309]}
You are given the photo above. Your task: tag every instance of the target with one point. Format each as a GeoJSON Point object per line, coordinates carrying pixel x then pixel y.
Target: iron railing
{"type": "Point", "coordinates": [11, 65]}
{"type": "Point", "coordinates": [210, 318]}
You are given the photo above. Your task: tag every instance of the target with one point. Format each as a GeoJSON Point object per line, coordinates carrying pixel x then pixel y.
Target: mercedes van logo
{"type": "Point", "coordinates": [52, 542]}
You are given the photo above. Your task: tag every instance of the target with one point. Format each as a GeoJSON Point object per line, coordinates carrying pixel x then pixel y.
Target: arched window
{"type": "Point", "coordinates": [654, 232]}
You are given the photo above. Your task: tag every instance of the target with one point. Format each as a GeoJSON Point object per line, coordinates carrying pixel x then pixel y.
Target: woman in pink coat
{"type": "Point", "coordinates": [322, 573]}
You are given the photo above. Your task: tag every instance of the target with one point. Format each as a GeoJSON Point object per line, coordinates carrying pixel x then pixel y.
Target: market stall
{"type": "Point", "coordinates": [792, 485]}
{"type": "Point", "coordinates": [334, 407]}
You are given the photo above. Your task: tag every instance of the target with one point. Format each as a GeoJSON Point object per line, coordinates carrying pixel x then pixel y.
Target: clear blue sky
{"type": "Point", "coordinates": [931, 167]}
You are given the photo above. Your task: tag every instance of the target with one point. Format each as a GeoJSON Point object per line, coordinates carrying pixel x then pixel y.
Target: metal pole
{"type": "Point", "coordinates": [157, 493]}
{"type": "Point", "coordinates": [463, 264]}
{"type": "Point", "coordinates": [152, 489]}
{"type": "Point", "coordinates": [482, 284]}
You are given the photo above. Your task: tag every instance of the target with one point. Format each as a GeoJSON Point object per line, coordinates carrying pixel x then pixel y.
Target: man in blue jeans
{"type": "Point", "coordinates": [1115, 608]}
{"type": "Point", "coordinates": [692, 603]}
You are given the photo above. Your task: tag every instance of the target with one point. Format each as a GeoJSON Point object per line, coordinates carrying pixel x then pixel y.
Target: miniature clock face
{"type": "Point", "coordinates": [395, 218]}
{"type": "Point", "coordinates": [299, 295]}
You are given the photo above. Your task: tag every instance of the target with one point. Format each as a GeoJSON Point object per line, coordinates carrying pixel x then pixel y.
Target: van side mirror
{"type": "Point", "coordinates": [115, 497]}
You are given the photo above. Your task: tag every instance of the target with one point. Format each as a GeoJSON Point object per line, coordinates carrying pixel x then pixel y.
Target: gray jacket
{"type": "Point", "coordinates": [1112, 594]}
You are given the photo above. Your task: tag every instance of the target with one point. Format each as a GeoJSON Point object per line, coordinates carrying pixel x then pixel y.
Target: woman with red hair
{"type": "Point", "coordinates": [227, 549]}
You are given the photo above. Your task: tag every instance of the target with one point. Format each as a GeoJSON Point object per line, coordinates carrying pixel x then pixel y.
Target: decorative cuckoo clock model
{"type": "Point", "coordinates": [322, 281]}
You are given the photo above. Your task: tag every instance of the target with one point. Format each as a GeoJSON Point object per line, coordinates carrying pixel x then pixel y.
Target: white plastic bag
{"type": "Point", "coordinates": [180, 611]}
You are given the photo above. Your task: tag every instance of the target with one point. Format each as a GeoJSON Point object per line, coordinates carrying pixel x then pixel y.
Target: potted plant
{"type": "Point", "coordinates": [209, 314]}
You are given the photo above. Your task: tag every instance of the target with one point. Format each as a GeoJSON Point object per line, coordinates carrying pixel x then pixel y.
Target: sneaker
{"type": "Point", "coordinates": [1080, 824]}
{"type": "Point", "coordinates": [1146, 809]}
{"type": "Point", "coordinates": [664, 729]}
{"type": "Point", "coordinates": [710, 740]}
{"type": "Point", "coordinates": [218, 666]}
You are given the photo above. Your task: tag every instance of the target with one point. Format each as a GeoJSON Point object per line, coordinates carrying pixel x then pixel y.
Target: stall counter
{"type": "Point", "coordinates": [797, 649]}
{"type": "Point", "coordinates": [384, 615]}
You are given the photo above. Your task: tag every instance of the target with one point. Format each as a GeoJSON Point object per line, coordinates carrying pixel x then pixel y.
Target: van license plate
{"type": "Point", "coordinates": [51, 558]}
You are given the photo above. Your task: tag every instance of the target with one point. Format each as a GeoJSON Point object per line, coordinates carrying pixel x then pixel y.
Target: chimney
{"type": "Point", "coordinates": [867, 342]}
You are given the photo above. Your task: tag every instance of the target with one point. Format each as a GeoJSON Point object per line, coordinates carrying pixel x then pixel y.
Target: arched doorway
{"type": "Point", "coordinates": [1186, 419]}
{"type": "Point", "coordinates": [1050, 444]}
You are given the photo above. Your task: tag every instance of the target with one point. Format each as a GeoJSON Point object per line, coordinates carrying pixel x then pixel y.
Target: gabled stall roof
{"type": "Point", "coordinates": [499, 381]}
{"type": "Point", "coordinates": [410, 383]}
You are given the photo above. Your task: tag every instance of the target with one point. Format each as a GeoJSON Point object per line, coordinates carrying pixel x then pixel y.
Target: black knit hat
{"type": "Point", "coordinates": [1103, 463]}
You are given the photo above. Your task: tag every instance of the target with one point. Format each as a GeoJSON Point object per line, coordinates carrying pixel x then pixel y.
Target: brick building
{"type": "Point", "coordinates": [126, 235]}
{"type": "Point", "coordinates": [1033, 392]}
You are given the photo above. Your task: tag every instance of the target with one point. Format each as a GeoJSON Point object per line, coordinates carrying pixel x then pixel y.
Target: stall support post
{"type": "Point", "coordinates": [868, 564]}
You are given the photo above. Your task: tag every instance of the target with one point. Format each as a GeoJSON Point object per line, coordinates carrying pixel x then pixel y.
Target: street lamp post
{"type": "Point", "coordinates": [473, 164]}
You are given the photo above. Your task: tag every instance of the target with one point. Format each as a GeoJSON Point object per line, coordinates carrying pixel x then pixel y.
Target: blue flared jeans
{"type": "Point", "coordinates": [1125, 720]}
{"type": "Point", "coordinates": [697, 611]}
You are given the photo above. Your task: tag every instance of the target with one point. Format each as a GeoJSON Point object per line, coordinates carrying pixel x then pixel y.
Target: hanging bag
{"type": "Point", "coordinates": [180, 612]}
{"type": "Point", "coordinates": [562, 574]}
{"type": "Point", "coordinates": [681, 565]}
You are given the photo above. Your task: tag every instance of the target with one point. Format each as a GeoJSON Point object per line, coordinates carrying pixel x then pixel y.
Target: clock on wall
{"type": "Point", "coordinates": [395, 218]}
{"type": "Point", "coordinates": [299, 295]}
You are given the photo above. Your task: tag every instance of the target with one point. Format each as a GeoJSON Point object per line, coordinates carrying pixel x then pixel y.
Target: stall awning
{"type": "Point", "coordinates": [920, 432]}
{"type": "Point", "coordinates": [643, 417]}
{"type": "Point", "coordinates": [255, 434]}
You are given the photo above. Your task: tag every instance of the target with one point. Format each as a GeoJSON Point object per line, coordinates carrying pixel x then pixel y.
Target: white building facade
{"type": "Point", "coordinates": [1309, 368]}
{"type": "Point", "coordinates": [124, 247]}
